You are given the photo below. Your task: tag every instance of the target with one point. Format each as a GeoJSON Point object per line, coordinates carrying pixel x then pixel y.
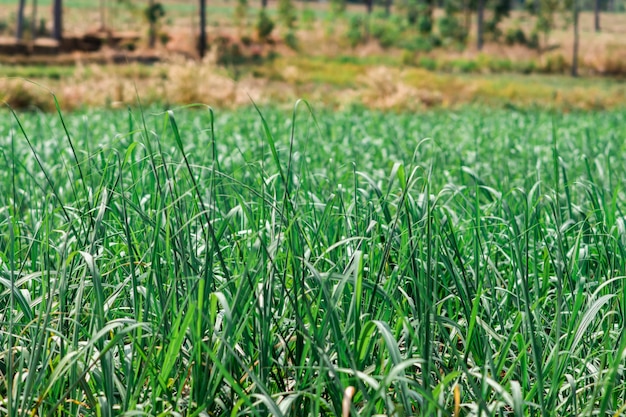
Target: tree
{"type": "Point", "coordinates": [33, 21]}
{"type": "Point", "coordinates": [596, 15]}
{"type": "Point", "coordinates": [480, 13]}
{"type": "Point", "coordinates": [287, 12]}
{"type": "Point", "coordinates": [202, 40]}
{"type": "Point", "coordinates": [546, 12]}
{"type": "Point", "coordinates": [19, 30]}
{"type": "Point", "coordinates": [57, 20]}
{"type": "Point", "coordinates": [152, 22]}
{"type": "Point", "coordinates": [338, 6]}
{"type": "Point", "coordinates": [153, 13]}
{"type": "Point", "coordinates": [369, 4]}
{"type": "Point", "coordinates": [263, 4]}
{"type": "Point", "coordinates": [103, 17]}
{"type": "Point", "coordinates": [575, 15]}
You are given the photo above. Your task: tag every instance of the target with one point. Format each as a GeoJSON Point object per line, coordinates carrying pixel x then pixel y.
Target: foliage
{"type": "Point", "coordinates": [259, 265]}
{"type": "Point", "coordinates": [425, 24]}
{"type": "Point", "coordinates": [554, 64]}
{"type": "Point", "coordinates": [291, 40]}
{"type": "Point", "coordinates": [385, 32]}
{"type": "Point", "coordinates": [515, 36]}
{"type": "Point", "coordinates": [419, 43]}
{"type": "Point", "coordinates": [427, 63]}
{"type": "Point", "coordinates": [264, 25]}
{"type": "Point", "coordinates": [356, 32]}
{"type": "Point", "coordinates": [338, 7]}
{"type": "Point", "coordinates": [450, 28]}
{"type": "Point", "coordinates": [308, 16]}
{"type": "Point", "coordinates": [287, 12]}
{"type": "Point", "coordinates": [546, 16]}
{"type": "Point", "coordinates": [154, 12]}
{"type": "Point", "coordinates": [241, 12]}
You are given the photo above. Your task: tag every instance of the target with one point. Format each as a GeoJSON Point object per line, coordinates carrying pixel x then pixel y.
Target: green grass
{"type": "Point", "coordinates": [259, 265]}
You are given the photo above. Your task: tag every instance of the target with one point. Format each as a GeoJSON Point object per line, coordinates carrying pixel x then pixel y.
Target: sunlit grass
{"type": "Point", "coordinates": [164, 263]}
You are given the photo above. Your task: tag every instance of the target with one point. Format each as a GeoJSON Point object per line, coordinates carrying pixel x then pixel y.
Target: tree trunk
{"type": "Point", "coordinates": [597, 15]}
{"type": "Point", "coordinates": [481, 25]}
{"type": "Point", "coordinates": [576, 40]}
{"type": "Point", "coordinates": [19, 30]}
{"type": "Point", "coordinates": [152, 28]}
{"type": "Point", "coordinates": [264, 4]}
{"type": "Point", "coordinates": [387, 8]}
{"type": "Point", "coordinates": [33, 22]}
{"type": "Point", "coordinates": [202, 40]}
{"type": "Point", "coordinates": [369, 4]}
{"type": "Point", "coordinates": [103, 18]}
{"type": "Point", "coordinates": [57, 20]}
{"type": "Point", "coordinates": [467, 13]}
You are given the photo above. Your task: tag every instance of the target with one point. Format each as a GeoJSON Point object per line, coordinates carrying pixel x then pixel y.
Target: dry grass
{"type": "Point", "coordinates": [380, 87]}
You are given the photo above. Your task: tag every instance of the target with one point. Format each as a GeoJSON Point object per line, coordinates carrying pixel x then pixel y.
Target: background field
{"type": "Point", "coordinates": [316, 60]}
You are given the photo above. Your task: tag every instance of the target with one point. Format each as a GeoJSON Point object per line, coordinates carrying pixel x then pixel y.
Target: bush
{"type": "Point", "coordinates": [515, 36]}
{"type": "Point", "coordinates": [308, 17]}
{"type": "Point", "coordinates": [462, 65]}
{"type": "Point", "coordinates": [338, 7]}
{"type": "Point", "coordinates": [555, 64]}
{"type": "Point", "coordinates": [500, 65]}
{"type": "Point", "coordinates": [425, 24]}
{"type": "Point", "coordinates": [264, 26]}
{"type": "Point", "coordinates": [492, 31]}
{"type": "Point", "coordinates": [451, 28]}
{"type": "Point", "coordinates": [291, 40]}
{"type": "Point", "coordinates": [356, 33]}
{"type": "Point", "coordinates": [229, 53]}
{"type": "Point", "coordinates": [526, 67]}
{"type": "Point", "coordinates": [408, 58]}
{"type": "Point", "coordinates": [418, 44]}
{"type": "Point", "coordinates": [241, 11]}
{"type": "Point", "coordinates": [287, 12]}
{"type": "Point", "coordinates": [385, 32]}
{"type": "Point", "coordinates": [427, 63]}
{"type": "Point", "coordinates": [533, 41]}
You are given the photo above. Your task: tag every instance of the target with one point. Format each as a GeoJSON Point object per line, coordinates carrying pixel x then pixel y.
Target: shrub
{"type": "Point", "coordinates": [356, 31]}
{"type": "Point", "coordinates": [526, 67]}
{"type": "Point", "coordinates": [246, 40]}
{"type": "Point", "coordinates": [291, 40]}
{"type": "Point", "coordinates": [385, 32]}
{"type": "Point", "coordinates": [417, 44]}
{"type": "Point", "coordinates": [463, 65]}
{"type": "Point", "coordinates": [241, 11]}
{"type": "Point", "coordinates": [42, 30]}
{"type": "Point", "coordinates": [427, 63]}
{"type": "Point", "coordinates": [451, 28]}
{"type": "Point", "coordinates": [533, 40]}
{"type": "Point", "coordinates": [554, 64]}
{"type": "Point", "coordinates": [499, 65]}
{"type": "Point", "coordinates": [287, 12]}
{"type": "Point", "coordinates": [408, 58]}
{"type": "Point", "coordinates": [338, 7]}
{"type": "Point", "coordinates": [264, 25]}
{"type": "Point", "coordinates": [515, 36]}
{"type": "Point", "coordinates": [229, 53]}
{"type": "Point", "coordinates": [425, 24]}
{"type": "Point", "coordinates": [492, 31]}
{"type": "Point", "coordinates": [308, 16]}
